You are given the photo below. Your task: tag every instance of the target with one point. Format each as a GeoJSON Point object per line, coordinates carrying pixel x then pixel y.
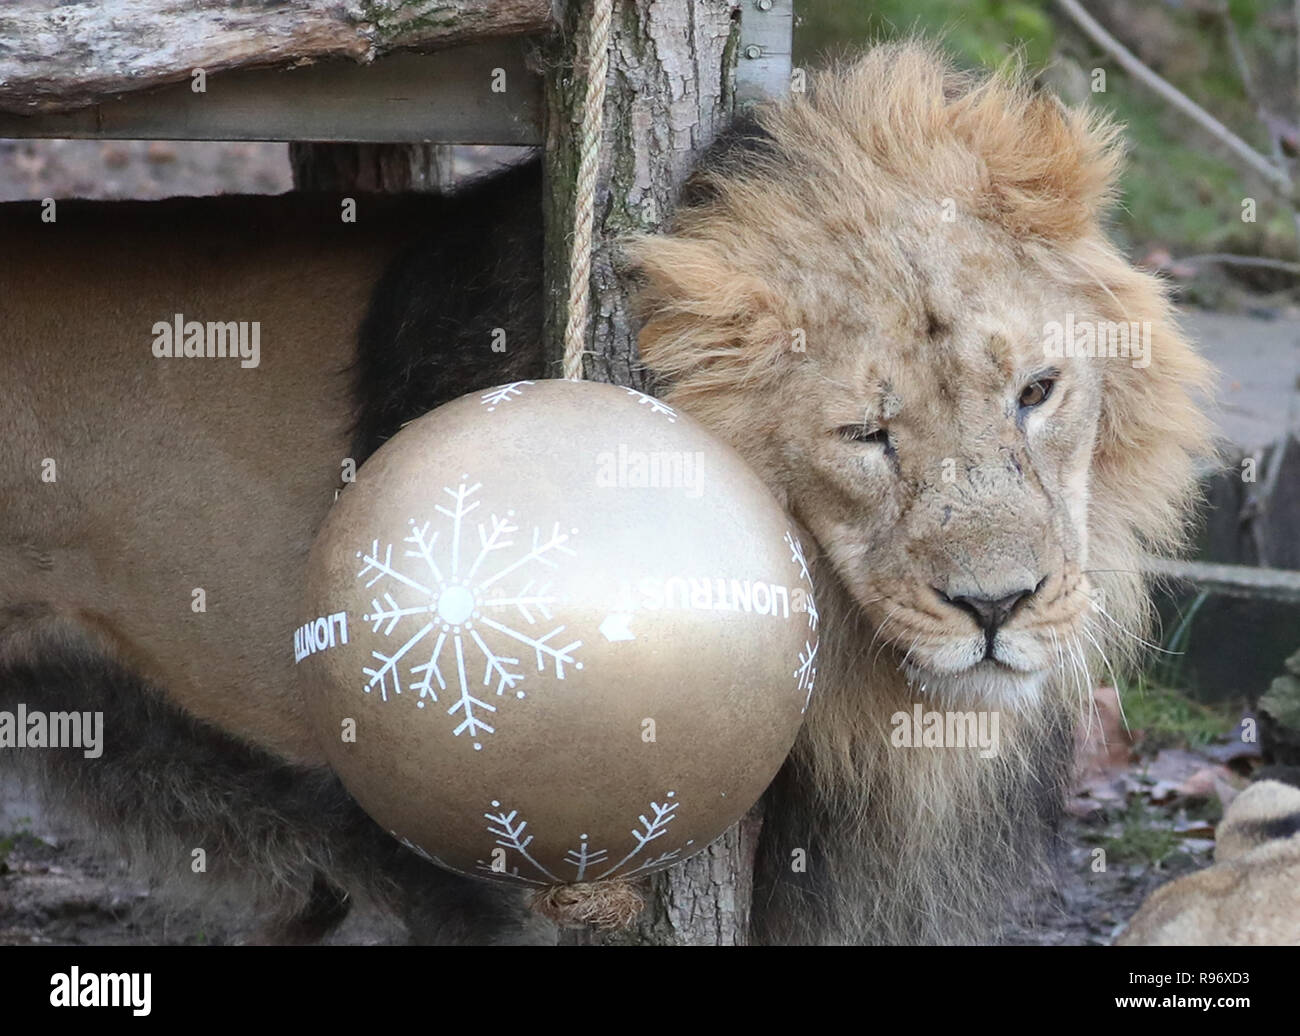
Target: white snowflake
{"type": "Point", "coordinates": [796, 555]}
{"type": "Point", "coordinates": [511, 834]}
{"type": "Point", "coordinates": [806, 673]}
{"type": "Point", "coordinates": [656, 406]}
{"type": "Point", "coordinates": [457, 611]}
{"type": "Point", "coordinates": [493, 398]}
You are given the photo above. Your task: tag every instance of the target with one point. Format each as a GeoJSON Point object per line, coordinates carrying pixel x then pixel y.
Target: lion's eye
{"type": "Point", "coordinates": [1036, 393]}
{"type": "Point", "coordinates": [864, 434]}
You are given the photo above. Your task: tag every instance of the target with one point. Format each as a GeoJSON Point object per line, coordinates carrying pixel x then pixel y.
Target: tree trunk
{"type": "Point", "coordinates": [671, 89]}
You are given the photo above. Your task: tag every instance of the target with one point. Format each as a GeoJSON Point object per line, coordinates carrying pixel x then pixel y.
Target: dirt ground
{"type": "Point", "coordinates": [56, 889]}
{"type": "Point", "coordinates": [1141, 813]}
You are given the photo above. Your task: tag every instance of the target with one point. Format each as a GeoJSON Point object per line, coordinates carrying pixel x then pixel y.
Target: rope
{"type": "Point", "coordinates": [593, 110]}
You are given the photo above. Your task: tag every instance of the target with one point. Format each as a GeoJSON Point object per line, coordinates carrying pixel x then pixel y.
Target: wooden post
{"type": "Point", "coordinates": [672, 87]}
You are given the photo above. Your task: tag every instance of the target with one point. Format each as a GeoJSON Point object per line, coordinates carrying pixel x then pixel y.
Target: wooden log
{"type": "Point", "coordinates": [445, 96]}
{"type": "Point", "coordinates": [1272, 584]}
{"type": "Point", "coordinates": [56, 56]}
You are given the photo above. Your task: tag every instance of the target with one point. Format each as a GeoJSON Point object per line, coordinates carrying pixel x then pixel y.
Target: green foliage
{"type": "Point", "coordinates": [1176, 190]}
{"type": "Point", "coordinates": [1168, 718]}
{"type": "Point", "coordinates": [1246, 12]}
{"type": "Point", "coordinates": [1171, 193]}
{"type": "Point", "coordinates": [1282, 701]}
{"type": "Point", "coordinates": [12, 840]}
{"type": "Point", "coordinates": [981, 32]}
{"type": "Point", "coordinates": [1142, 837]}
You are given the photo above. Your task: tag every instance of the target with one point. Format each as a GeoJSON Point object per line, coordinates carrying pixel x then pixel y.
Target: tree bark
{"type": "Point", "coordinates": [56, 56]}
{"type": "Point", "coordinates": [702, 901]}
{"type": "Point", "coordinates": [671, 89]}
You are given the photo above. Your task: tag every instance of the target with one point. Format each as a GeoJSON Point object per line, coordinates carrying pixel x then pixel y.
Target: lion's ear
{"type": "Point", "coordinates": [1050, 169]}
{"type": "Point", "coordinates": [703, 316]}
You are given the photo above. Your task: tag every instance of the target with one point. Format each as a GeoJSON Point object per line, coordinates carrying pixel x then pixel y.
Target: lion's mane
{"type": "Point", "coordinates": [917, 846]}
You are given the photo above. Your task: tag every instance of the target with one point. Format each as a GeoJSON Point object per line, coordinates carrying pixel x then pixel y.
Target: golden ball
{"type": "Point", "coordinates": [556, 632]}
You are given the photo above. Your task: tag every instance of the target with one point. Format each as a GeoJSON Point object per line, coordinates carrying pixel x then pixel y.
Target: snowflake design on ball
{"type": "Point", "coordinates": [806, 674]}
{"type": "Point", "coordinates": [656, 406]}
{"type": "Point", "coordinates": [464, 615]}
{"type": "Point", "coordinates": [510, 832]}
{"type": "Point", "coordinates": [493, 398]}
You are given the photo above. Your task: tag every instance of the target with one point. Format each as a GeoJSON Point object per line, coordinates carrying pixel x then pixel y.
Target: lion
{"type": "Point", "coordinates": [856, 293]}
{"type": "Point", "coordinates": [1250, 896]}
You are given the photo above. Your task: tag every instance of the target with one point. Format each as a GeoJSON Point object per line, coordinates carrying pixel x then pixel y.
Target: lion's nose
{"type": "Point", "coordinates": [990, 612]}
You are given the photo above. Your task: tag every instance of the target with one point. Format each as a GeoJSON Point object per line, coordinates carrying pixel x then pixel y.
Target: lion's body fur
{"type": "Point", "coordinates": [807, 222]}
{"type": "Point", "coordinates": [1250, 896]}
{"type": "Point", "coordinates": [184, 473]}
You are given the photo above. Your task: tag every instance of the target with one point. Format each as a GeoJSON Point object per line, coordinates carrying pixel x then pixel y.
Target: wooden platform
{"type": "Point", "coordinates": [437, 71]}
{"type": "Point", "coordinates": [445, 97]}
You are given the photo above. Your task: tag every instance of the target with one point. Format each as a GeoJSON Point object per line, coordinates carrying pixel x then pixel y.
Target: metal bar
{"type": "Point", "coordinates": [766, 44]}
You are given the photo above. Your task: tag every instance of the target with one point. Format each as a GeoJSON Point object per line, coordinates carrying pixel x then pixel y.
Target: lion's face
{"type": "Point", "coordinates": [857, 295]}
{"type": "Point", "coordinates": [940, 457]}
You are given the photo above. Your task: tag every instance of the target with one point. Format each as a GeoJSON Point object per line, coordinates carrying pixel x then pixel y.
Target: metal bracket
{"type": "Point", "coordinates": [766, 41]}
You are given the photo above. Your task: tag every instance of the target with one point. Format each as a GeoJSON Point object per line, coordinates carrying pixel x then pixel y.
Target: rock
{"type": "Point", "coordinates": [1280, 717]}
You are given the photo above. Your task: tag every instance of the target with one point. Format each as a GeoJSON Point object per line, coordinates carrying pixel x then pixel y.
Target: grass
{"type": "Point", "coordinates": [1167, 718]}
{"type": "Point", "coordinates": [1141, 839]}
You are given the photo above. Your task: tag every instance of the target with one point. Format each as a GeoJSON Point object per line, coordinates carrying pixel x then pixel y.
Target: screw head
{"type": "Point", "coordinates": [753, 51]}
{"type": "Point", "coordinates": [763, 5]}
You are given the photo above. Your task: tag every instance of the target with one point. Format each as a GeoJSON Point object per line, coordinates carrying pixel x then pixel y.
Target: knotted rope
{"type": "Point", "coordinates": [605, 905]}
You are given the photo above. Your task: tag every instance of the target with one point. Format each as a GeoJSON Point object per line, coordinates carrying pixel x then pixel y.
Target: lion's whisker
{"type": "Point", "coordinates": [1129, 633]}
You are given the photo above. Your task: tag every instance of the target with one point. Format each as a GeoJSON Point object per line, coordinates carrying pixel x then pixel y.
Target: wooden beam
{"type": "Point", "coordinates": [57, 56]}
{"type": "Point", "coordinates": [479, 94]}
